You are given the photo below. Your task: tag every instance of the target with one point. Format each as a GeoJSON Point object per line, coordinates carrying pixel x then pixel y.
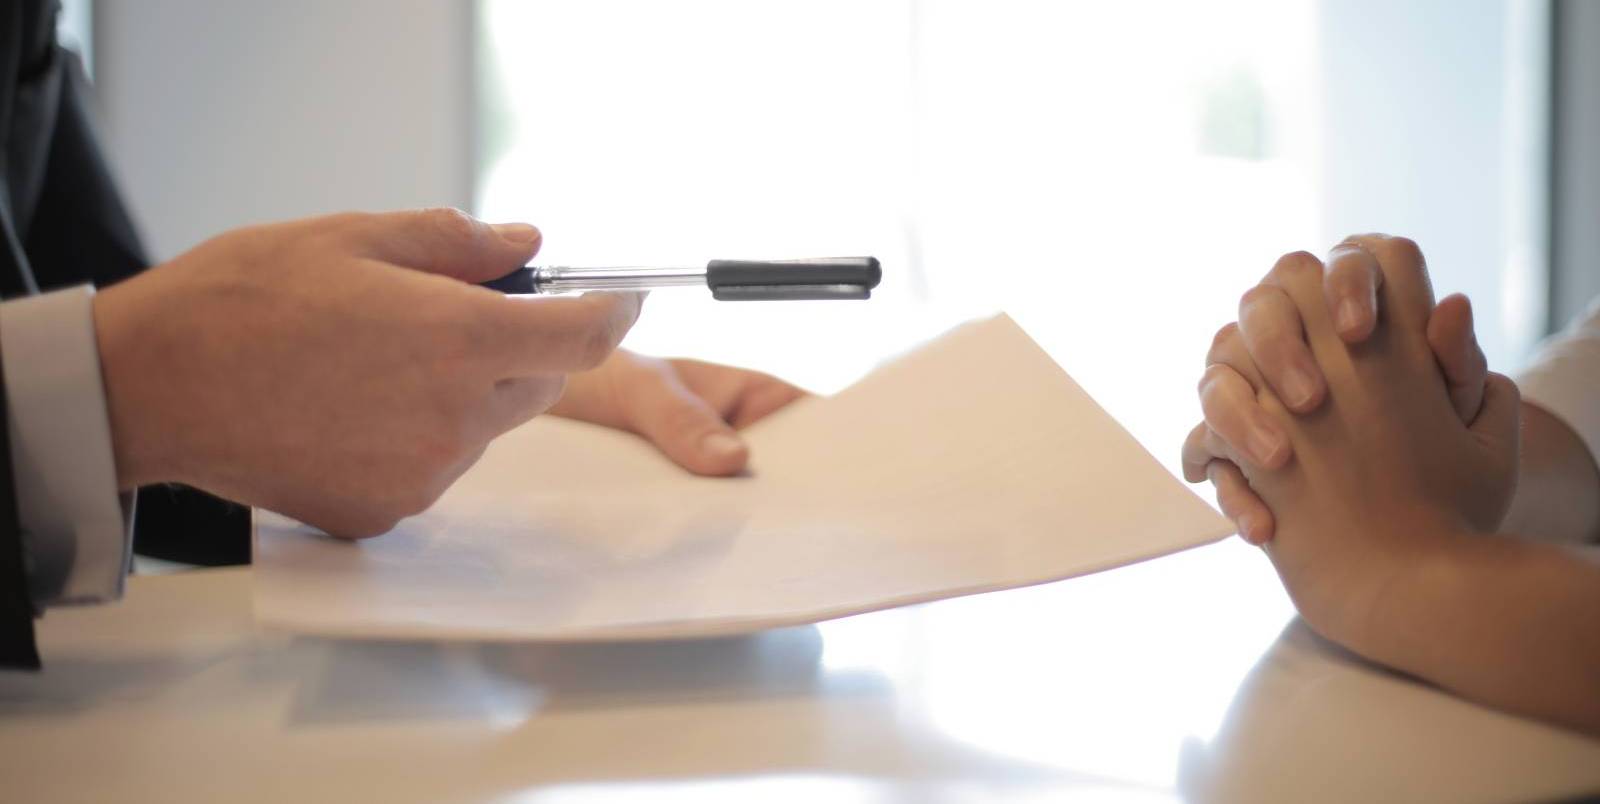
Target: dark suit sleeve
{"type": "Point", "coordinates": [17, 647]}
{"type": "Point", "coordinates": [81, 232]}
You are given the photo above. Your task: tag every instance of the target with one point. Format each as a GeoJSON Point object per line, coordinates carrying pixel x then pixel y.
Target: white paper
{"type": "Point", "coordinates": [970, 465]}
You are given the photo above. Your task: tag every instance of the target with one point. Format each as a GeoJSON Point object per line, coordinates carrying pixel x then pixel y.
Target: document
{"type": "Point", "coordinates": [970, 465]}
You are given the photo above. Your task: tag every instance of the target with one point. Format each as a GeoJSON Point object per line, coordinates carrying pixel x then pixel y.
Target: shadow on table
{"type": "Point", "coordinates": [361, 681]}
{"type": "Point", "coordinates": [82, 684]}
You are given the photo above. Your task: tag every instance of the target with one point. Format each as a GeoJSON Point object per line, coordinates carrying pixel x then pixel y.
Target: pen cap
{"type": "Point", "coordinates": [829, 277]}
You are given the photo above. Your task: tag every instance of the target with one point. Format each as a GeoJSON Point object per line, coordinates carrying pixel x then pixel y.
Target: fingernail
{"type": "Point", "coordinates": [1264, 445]}
{"type": "Point", "coordinates": [1298, 388]}
{"type": "Point", "coordinates": [721, 445]}
{"type": "Point", "coordinates": [1350, 317]}
{"type": "Point", "coordinates": [516, 232]}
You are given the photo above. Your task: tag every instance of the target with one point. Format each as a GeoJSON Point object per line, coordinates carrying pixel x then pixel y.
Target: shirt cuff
{"type": "Point", "coordinates": [76, 535]}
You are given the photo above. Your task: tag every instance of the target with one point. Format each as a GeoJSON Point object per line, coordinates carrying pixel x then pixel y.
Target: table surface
{"type": "Point", "coordinates": [1187, 677]}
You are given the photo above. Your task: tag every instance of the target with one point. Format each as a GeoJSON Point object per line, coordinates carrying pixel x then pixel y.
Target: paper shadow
{"type": "Point", "coordinates": [364, 681]}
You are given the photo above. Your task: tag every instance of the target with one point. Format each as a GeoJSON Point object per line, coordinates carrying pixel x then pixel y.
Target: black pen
{"type": "Point", "coordinates": [729, 280]}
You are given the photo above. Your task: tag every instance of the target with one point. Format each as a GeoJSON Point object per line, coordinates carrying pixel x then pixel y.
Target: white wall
{"type": "Point", "coordinates": [220, 113]}
{"type": "Point", "coordinates": [1433, 128]}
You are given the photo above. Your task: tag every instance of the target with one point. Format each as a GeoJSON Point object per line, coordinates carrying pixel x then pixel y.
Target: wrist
{"type": "Point", "coordinates": [1353, 596]}
{"type": "Point", "coordinates": [140, 448]}
{"type": "Point", "coordinates": [1419, 587]}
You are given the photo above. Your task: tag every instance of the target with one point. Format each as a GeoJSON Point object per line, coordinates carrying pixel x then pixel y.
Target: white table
{"type": "Point", "coordinates": [1186, 677]}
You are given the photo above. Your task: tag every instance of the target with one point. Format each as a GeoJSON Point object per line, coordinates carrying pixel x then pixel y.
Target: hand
{"type": "Point", "coordinates": [341, 370]}
{"type": "Point", "coordinates": [1386, 478]}
{"type": "Point", "coordinates": [690, 410]}
{"type": "Point", "coordinates": [1273, 334]}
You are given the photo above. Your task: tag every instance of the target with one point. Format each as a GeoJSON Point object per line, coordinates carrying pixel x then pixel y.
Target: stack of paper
{"type": "Point", "coordinates": [971, 465]}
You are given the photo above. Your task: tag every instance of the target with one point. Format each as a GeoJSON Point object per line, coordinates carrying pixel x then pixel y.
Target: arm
{"type": "Point", "coordinates": [1386, 514]}
{"type": "Point", "coordinates": [1559, 496]}
{"type": "Point", "coordinates": [1501, 619]}
{"type": "Point", "coordinates": [1558, 488]}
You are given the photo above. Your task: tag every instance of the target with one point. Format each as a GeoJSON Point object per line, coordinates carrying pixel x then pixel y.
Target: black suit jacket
{"type": "Point", "coordinates": [63, 223]}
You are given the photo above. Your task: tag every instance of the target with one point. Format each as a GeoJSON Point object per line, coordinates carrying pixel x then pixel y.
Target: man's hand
{"type": "Point", "coordinates": [341, 370]}
{"type": "Point", "coordinates": [1272, 332]}
{"type": "Point", "coordinates": [690, 410]}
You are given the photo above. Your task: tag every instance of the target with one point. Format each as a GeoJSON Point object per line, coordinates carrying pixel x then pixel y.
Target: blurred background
{"type": "Point", "coordinates": [1113, 174]}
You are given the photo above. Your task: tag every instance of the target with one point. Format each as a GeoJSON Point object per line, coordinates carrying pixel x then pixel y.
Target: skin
{"type": "Point", "coordinates": [1388, 493]}
{"type": "Point", "coordinates": [345, 370]}
{"type": "Point", "coordinates": [1558, 499]}
{"type": "Point", "coordinates": [688, 409]}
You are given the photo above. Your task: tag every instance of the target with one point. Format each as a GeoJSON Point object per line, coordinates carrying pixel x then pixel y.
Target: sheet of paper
{"type": "Point", "coordinates": [970, 465]}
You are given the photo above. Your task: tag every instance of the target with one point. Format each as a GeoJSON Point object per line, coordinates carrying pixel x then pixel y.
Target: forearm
{"type": "Point", "coordinates": [1507, 622]}
{"type": "Point", "coordinates": [1558, 490]}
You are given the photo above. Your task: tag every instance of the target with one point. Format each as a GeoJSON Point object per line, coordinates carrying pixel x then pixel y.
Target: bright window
{"type": "Point", "coordinates": [1112, 174]}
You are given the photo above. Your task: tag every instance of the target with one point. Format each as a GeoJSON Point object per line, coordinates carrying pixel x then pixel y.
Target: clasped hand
{"type": "Point", "coordinates": [1351, 427]}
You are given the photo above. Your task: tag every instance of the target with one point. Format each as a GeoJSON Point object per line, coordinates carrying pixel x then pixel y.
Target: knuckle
{"type": "Point", "coordinates": [1404, 250]}
{"type": "Point", "coordinates": [596, 344]}
{"type": "Point", "coordinates": [1212, 384]}
{"type": "Point", "coordinates": [452, 223]}
{"type": "Point", "coordinates": [1257, 294]}
{"type": "Point", "coordinates": [1222, 340]}
{"type": "Point", "coordinates": [1297, 266]}
{"type": "Point", "coordinates": [1261, 308]}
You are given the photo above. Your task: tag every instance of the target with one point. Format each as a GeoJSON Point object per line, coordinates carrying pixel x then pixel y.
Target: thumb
{"type": "Point", "coordinates": [1497, 430]}
{"type": "Point", "coordinates": [446, 241]}
{"type": "Point", "coordinates": [1455, 348]}
{"type": "Point", "coordinates": [1498, 424]}
{"type": "Point", "coordinates": [684, 427]}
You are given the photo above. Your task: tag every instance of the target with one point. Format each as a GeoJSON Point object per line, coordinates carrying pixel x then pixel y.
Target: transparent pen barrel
{"type": "Point", "coordinates": [556, 279]}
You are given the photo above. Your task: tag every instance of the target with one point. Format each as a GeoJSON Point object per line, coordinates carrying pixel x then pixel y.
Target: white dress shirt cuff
{"type": "Point", "coordinates": [76, 530]}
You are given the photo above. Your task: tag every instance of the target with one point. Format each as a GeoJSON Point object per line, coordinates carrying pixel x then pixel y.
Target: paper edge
{"type": "Point", "coordinates": [712, 628]}
{"type": "Point", "coordinates": [686, 630]}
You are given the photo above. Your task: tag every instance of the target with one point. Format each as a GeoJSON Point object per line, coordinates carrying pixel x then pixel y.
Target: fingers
{"type": "Point", "coordinates": [1406, 292]}
{"type": "Point", "coordinates": [744, 397]}
{"type": "Point", "coordinates": [1270, 326]}
{"type": "Point", "coordinates": [550, 335]}
{"type": "Point", "coordinates": [1231, 411]}
{"type": "Point", "coordinates": [1198, 452]}
{"type": "Point", "coordinates": [1206, 457]}
{"type": "Point", "coordinates": [764, 397]}
{"type": "Point", "coordinates": [1350, 283]}
{"type": "Point", "coordinates": [1240, 504]}
{"type": "Point", "coordinates": [442, 241]}
{"type": "Point", "coordinates": [1455, 347]}
{"type": "Point", "coordinates": [1228, 397]}
{"type": "Point", "coordinates": [684, 426]}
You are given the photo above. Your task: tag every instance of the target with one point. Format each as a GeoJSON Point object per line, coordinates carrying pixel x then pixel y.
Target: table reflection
{"type": "Point", "coordinates": [1183, 677]}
